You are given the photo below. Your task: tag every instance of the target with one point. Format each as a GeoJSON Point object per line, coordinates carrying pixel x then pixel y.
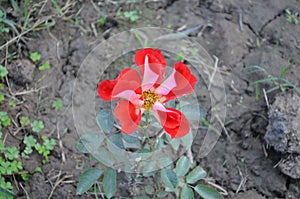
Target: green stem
{"type": "Point", "coordinates": [146, 127]}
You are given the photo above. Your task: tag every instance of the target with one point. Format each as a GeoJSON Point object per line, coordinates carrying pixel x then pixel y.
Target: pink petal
{"type": "Point", "coordinates": [106, 87]}
{"type": "Point", "coordinates": [181, 82]}
{"type": "Point", "coordinates": [152, 69]}
{"type": "Point", "coordinates": [127, 86]}
{"type": "Point", "coordinates": [150, 77]}
{"type": "Point", "coordinates": [128, 115]}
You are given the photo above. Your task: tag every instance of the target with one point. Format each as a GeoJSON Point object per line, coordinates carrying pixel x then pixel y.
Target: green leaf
{"type": "Point", "coordinates": [3, 71]}
{"type": "Point", "coordinates": [186, 192]}
{"type": "Point", "coordinates": [105, 120]}
{"type": "Point", "coordinates": [104, 157]}
{"type": "Point", "coordinates": [117, 141]}
{"type": "Point", "coordinates": [37, 126]}
{"type": "Point", "coordinates": [182, 166]}
{"type": "Point", "coordinates": [24, 121]}
{"type": "Point", "coordinates": [102, 21]}
{"type": "Point", "coordinates": [162, 194]}
{"type": "Point", "coordinates": [6, 193]}
{"type": "Point", "coordinates": [45, 66]}
{"type": "Point", "coordinates": [188, 139]}
{"type": "Point", "coordinates": [196, 174]}
{"type": "Point", "coordinates": [49, 144]}
{"type": "Point", "coordinates": [2, 98]}
{"type": "Point", "coordinates": [169, 178]}
{"type": "Point", "coordinates": [115, 145]}
{"type": "Point", "coordinates": [175, 143]}
{"type": "Point", "coordinates": [141, 197]}
{"type": "Point", "coordinates": [57, 104]}
{"type": "Point", "coordinates": [149, 168]}
{"type": "Point", "coordinates": [12, 153]}
{"type": "Point", "coordinates": [35, 56]}
{"type": "Point", "coordinates": [110, 183]}
{"type": "Point", "coordinates": [12, 103]}
{"type": "Point", "coordinates": [131, 141]}
{"type": "Point", "coordinates": [5, 120]}
{"type": "Point", "coordinates": [87, 179]}
{"type": "Point", "coordinates": [30, 141]}
{"type": "Point", "coordinates": [149, 189]}
{"type": "Point", "coordinates": [89, 142]}
{"type": "Point", "coordinates": [207, 192]}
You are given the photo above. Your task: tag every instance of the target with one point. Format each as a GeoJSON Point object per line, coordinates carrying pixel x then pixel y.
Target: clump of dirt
{"type": "Point", "coordinates": [283, 131]}
{"type": "Point", "coordinates": [21, 71]}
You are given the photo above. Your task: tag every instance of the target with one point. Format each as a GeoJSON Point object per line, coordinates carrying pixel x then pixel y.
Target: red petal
{"type": "Point", "coordinates": [128, 79]}
{"type": "Point", "coordinates": [184, 83]}
{"type": "Point", "coordinates": [174, 122]}
{"type": "Point", "coordinates": [156, 61]}
{"type": "Point", "coordinates": [128, 115]}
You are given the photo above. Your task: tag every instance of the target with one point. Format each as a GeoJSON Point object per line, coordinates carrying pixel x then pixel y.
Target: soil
{"type": "Point", "coordinates": [258, 157]}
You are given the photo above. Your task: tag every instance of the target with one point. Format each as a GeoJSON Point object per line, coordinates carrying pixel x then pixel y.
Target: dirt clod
{"type": "Point", "coordinates": [283, 131]}
{"type": "Point", "coordinates": [21, 71]}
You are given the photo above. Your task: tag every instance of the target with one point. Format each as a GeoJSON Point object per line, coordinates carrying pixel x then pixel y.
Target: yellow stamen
{"type": "Point", "coordinates": [149, 99]}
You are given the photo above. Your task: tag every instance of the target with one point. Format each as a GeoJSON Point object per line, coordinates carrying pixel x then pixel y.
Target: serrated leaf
{"type": "Point", "coordinates": [169, 178]}
{"type": "Point", "coordinates": [89, 142]}
{"type": "Point", "coordinates": [196, 174]}
{"type": "Point", "coordinates": [105, 120]}
{"type": "Point", "coordinates": [207, 192]}
{"type": "Point", "coordinates": [87, 179]}
{"type": "Point", "coordinates": [182, 166]}
{"type": "Point", "coordinates": [186, 192]}
{"type": "Point", "coordinates": [110, 183]}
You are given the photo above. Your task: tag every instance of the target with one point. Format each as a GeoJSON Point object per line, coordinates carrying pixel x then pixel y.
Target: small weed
{"type": "Point", "coordinates": [4, 119]}
{"type": "Point", "coordinates": [3, 71]}
{"type": "Point", "coordinates": [24, 121]}
{"type": "Point", "coordinates": [13, 103]}
{"type": "Point", "coordinates": [57, 104]}
{"type": "Point", "coordinates": [46, 148]}
{"type": "Point", "coordinates": [3, 29]}
{"type": "Point", "coordinates": [45, 66]}
{"type": "Point", "coordinates": [292, 17]}
{"type": "Point", "coordinates": [133, 16]}
{"type": "Point", "coordinates": [35, 57]}
{"type": "Point", "coordinates": [278, 83]}
{"type": "Point", "coordinates": [2, 98]}
{"type": "Point", "coordinates": [102, 21]}
{"type": "Point", "coordinates": [180, 56]}
{"type": "Point", "coordinates": [37, 126]}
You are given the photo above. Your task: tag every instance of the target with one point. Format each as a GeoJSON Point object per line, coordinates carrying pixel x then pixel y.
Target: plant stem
{"type": "Point", "coordinates": [146, 127]}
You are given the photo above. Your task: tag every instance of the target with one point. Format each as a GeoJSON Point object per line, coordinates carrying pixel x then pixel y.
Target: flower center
{"type": "Point", "coordinates": [149, 99]}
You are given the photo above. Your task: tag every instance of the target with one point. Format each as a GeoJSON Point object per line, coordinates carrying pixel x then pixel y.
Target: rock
{"type": "Point", "coordinates": [291, 166]}
{"type": "Point", "coordinates": [21, 71]}
{"type": "Point", "coordinates": [283, 131]}
{"type": "Point", "coordinates": [249, 195]}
